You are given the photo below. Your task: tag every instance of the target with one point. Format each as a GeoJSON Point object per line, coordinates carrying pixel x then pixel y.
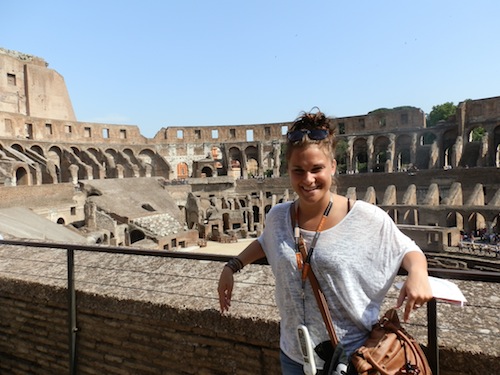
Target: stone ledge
{"type": "Point", "coordinates": [468, 336]}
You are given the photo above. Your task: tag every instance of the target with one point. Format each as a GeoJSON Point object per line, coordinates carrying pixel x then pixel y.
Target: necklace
{"type": "Point", "coordinates": [305, 265]}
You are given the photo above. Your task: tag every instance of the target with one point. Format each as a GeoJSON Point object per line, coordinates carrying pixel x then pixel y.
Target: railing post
{"type": "Point", "coordinates": [72, 311]}
{"type": "Point", "coordinates": [432, 336]}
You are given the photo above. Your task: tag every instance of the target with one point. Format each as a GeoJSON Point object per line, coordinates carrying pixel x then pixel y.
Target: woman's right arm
{"type": "Point", "coordinates": [251, 253]}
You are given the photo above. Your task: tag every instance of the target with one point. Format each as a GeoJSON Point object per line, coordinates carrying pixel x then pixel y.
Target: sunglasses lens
{"type": "Point", "coordinates": [318, 134]}
{"type": "Point", "coordinates": [296, 135]}
{"type": "Point", "coordinates": [314, 135]}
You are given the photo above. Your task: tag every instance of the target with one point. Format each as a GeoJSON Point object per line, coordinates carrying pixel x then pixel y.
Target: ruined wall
{"type": "Point", "coordinates": [28, 87]}
{"type": "Point", "coordinates": [54, 202]}
{"type": "Point", "coordinates": [126, 337]}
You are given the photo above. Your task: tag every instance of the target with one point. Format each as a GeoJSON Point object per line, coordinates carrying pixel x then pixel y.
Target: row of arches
{"type": "Point", "coordinates": [425, 150]}
{"type": "Point", "coordinates": [57, 164]}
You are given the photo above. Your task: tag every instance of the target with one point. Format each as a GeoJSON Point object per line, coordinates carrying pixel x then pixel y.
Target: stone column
{"type": "Point", "coordinates": [349, 155]}
{"type": "Point", "coordinates": [413, 149]}
{"type": "Point", "coordinates": [243, 165]}
{"type": "Point", "coordinates": [439, 144]}
{"type": "Point", "coordinates": [457, 151]}
{"type": "Point", "coordinates": [391, 152]}
{"type": "Point", "coordinates": [260, 161]}
{"type": "Point", "coordinates": [369, 152]}
{"type": "Point", "coordinates": [73, 170]}
{"type": "Point", "coordinates": [483, 151]}
{"type": "Point", "coordinates": [276, 158]}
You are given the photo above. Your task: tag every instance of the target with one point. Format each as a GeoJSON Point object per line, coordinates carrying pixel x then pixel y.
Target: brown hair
{"type": "Point", "coordinates": [315, 119]}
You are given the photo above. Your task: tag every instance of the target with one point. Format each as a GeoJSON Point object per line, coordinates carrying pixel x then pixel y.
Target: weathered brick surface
{"type": "Point", "coordinates": [147, 315]}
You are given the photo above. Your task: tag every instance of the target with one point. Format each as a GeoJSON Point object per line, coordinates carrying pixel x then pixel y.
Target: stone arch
{"type": "Point", "coordinates": [475, 133]}
{"type": "Point", "coordinates": [235, 161]}
{"type": "Point", "coordinates": [206, 171]}
{"type": "Point", "coordinates": [341, 155]}
{"type": "Point", "coordinates": [136, 235]}
{"type": "Point", "coordinates": [267, 208]}
{"type": "Point", "coordinates": [410, 217]}
{"type": "Point", "coordinates": [380, 153]}
{"type": "Point", "coordinates": [447, 147]}
{"type": "Point", "coordinates": [495, 224]}
{"type": "Point", "coordinates": [496, 147]}
{"type": "Point", "coordinates": [252, 161]}
{"type": "Point", "coordinates": [90, 165]}
{"type": "Point", "coordinates": [17, 147]}
{"type": "Point", "coordinates": [37, 153]}
{"type": "Point", "coordinates": [427, 138]}
{"type": "Point", "coordinates": [158, 165]}
{"type": "Point", "coordinates": [75, 158]}
{"type": "Point", "coordinates": [403, 152]}
{"type": "Point", "coordinates": [360, 154]}
{"type": "Point", "coordinates": [182, 170]}
{"type": "Point", "coordinates": [54, 156]}
{"type": "Point", "coordinates": [472, 148]}
{"type": "Point", "coordinates": [22, 176]}
{"type": "Point", "coordinates": [475, 222]}
{"type": "Point", "coordinates": [256, 214]}
{"type": "Point", "coordinates": [139, 164]}
{"type": "Point", "coordinates": [123, 167]}
{"type": "Point", "coordinates": [454, 219]}
{"type": "Point", "coordinates": [37, 149]}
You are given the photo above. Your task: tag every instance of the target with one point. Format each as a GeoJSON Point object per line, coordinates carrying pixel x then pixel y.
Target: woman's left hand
{"type": "Point", "coordinates": [416, 289]}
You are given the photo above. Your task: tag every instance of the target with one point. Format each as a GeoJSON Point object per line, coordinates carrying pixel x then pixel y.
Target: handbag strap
{"type": "Point", "coordinates": [320, 298]}
{"type": "Point", "coordinates": [318, 293]}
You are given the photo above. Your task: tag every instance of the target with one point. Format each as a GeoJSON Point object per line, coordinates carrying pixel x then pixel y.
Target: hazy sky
{"type": "Point", "coordinates": [193, 63]}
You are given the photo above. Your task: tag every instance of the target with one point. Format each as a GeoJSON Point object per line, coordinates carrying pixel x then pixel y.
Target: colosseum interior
{"type": "Point", "coordinates": [108, 184]}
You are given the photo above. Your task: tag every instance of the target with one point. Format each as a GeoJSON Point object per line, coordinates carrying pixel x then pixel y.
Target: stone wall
{"type": "Point", "coordinates": [126, 337]}
{"type": "Point", "coordinates": [30, 88]}
{"type": "Point", "coordinates": [59, 203]}
{"type": "Point", "coordinates": [154, 315]}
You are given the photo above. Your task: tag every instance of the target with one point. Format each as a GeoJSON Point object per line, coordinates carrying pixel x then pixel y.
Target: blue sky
{"type": "Point", "coordinates": [194, 63]}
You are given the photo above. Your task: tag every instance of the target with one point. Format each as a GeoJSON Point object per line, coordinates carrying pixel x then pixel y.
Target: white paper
{"type": "Point", "coordinates": [444, 290]}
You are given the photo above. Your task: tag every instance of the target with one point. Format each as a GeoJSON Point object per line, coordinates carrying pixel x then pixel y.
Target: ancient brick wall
{"type": "Point", "coordinates": [126, 337]}
{"type": "Point", "coordinates": [154, 315]}
{"type": "Point", "coordinates": [30, 88]}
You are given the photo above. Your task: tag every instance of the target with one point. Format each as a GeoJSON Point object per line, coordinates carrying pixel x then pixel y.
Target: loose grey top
{"type": "Point", "coordinates": [355, 263]}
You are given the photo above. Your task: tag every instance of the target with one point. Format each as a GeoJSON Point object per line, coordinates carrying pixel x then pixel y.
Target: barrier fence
{"type": "Point", "coordinates": [432, 324]}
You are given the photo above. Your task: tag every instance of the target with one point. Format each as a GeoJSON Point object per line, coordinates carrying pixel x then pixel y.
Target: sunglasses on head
{"type": "Point", "coordinates": [314, 134]}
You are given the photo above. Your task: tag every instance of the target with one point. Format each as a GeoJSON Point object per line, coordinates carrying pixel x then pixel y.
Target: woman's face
{"type": "Point", "coordinates": [311, 170]}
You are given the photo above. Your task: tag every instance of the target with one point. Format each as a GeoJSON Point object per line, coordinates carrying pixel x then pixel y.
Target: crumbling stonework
{"type": "Point", "coordinates": [229, 169]}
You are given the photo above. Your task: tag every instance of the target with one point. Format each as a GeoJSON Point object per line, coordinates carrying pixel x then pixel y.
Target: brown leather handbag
{"type": "Point", "coordinates": [390, 350]}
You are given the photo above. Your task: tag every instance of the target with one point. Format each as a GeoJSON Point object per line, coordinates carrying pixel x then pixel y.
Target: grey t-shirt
{"type": "Point", "coordinates": [355, 263]}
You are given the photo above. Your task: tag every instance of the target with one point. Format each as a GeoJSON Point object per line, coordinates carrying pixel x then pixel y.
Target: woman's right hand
{"type": "Point", "coordinates": [225, 289]}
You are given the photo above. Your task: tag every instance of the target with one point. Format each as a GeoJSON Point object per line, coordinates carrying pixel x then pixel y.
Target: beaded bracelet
{"type": "Point", "coordinates": [235, 264]}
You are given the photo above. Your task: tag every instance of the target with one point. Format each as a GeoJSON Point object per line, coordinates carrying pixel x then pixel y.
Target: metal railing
{"type": "Point", "coordinates": [432, 324]}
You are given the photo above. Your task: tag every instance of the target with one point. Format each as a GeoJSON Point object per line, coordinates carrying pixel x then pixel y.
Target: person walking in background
{"type": "Point", "coordinates": [355, 250]}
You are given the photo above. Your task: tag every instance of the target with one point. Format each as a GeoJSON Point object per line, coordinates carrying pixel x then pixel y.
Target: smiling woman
{"type": "Point", "coordinates": [348, 238]}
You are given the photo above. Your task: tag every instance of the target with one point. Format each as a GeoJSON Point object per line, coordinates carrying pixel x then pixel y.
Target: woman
{"type": "Point", "coordinates": [356, 251]}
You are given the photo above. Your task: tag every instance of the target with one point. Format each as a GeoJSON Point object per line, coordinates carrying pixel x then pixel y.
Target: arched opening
{"type": "Point", "coordinates": [136, 235]}
{"type": "Point", "coordinates": [22, 177]}
{"type": "Point", "coordinates": [207, 172]}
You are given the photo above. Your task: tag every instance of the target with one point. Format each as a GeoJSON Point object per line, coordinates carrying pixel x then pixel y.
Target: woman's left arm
{"type": "Point", "coordinates": [416, 289]}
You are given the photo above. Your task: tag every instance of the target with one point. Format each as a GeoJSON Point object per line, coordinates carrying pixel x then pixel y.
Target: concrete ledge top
{"type": "Point", "coordinates": [192, 285]}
